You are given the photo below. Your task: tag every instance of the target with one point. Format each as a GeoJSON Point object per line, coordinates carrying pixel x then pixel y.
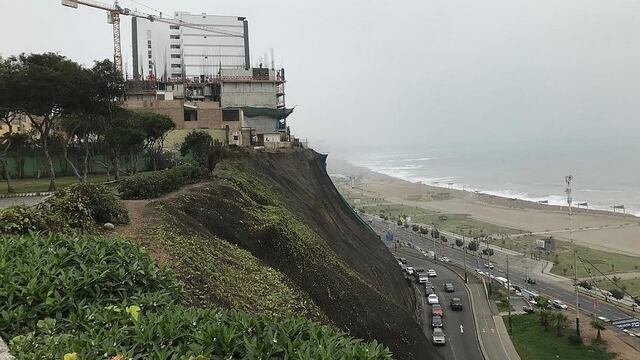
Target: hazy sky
{"type": "Point", "coordinates": [409, 72]}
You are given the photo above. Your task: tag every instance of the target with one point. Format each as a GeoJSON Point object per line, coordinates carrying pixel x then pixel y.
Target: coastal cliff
{"type": "Point", "coordinates": [270, 234]}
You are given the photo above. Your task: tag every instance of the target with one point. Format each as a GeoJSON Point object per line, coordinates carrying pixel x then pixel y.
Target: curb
{"type": "Point", "coordinates": [31, 194]}
{"type": "Point", "coordinates": [4, 351]}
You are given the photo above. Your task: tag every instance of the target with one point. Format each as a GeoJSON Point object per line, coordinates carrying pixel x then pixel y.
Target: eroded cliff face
{"type": "Point", "coordinates": [270, 233]}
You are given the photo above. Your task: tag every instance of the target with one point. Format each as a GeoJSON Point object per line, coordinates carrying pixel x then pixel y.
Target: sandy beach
{"type": "Point", "coordinates": [594, 228]}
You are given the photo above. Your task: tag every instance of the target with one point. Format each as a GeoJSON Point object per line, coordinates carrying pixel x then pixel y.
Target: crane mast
{"type": "Point", "coordinates": [114, 11]}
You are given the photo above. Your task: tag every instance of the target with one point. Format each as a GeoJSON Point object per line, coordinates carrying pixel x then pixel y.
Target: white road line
{"type": "Point", "coordinates": [461, 328]}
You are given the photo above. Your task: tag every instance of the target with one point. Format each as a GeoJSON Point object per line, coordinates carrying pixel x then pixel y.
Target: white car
{"type": "Point", "coordinates": [410, 270]}
{"type": "Point", "coordinates": [559, 304]}
{"type": "Point", "coordinates": [445, 259]}
{"type": "Point", "coordinates": [432, 273]}
{"type": "Point", "coordinates": [489, 265]}
{"type": "Point", "coordinates": [438, 337]}
{"type": "Point", "coordinates": [432, 299]}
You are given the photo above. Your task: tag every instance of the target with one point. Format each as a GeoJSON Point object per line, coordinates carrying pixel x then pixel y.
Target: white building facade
{"type": "Point", "coordinates": [194, 51]}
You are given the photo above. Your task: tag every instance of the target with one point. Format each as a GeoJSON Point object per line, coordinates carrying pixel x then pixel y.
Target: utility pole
{"type": "Point", "coordinates": [464, 248]}
{"type": "Point", "coordinates": [568, 180]}
{"type": "Point", "coordinates": [509, 295]}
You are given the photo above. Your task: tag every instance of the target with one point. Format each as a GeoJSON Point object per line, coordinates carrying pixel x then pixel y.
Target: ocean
{"type": "Point", "coordinates": [604, 174]}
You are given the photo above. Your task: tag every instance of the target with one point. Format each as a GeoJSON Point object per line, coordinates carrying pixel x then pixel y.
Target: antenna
{"type": "Point", "coordinates": [568, 180]}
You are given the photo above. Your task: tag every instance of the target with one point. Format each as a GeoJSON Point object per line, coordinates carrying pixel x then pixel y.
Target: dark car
{"type": "Point", "coordinates": [403, 260]}
{"type": "Point", "coordinates": [456, 304]}
{"type": "Point", "coordinates": [528, 309]}
{"type": "Point", "coordinates": [530, 281]}
{"type": "Point", "coordinates": [448, 287]}
{"type": "Point", "coordinates": [436, 322]}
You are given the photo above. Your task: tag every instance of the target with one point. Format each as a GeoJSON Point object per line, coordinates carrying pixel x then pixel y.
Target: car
{"type": "Point", "coordinates": [437, 310]}
{"type": "Point", "coordinates": [423, 279]}
{"type": "Point", "coordinates": [455, 303]}
{"type": "Point", "coordinates": [437, 337]}
{"type": "Point", "coordinates": [432, 273]}
{"type": "Point", "coordinates": [433, 299]}
{"type": "Point", "coordinates": [530, 281]}
{"type": "Point", "coordinates": [488, 265]}
{"type": "Point", "coordinates": [528, 309]}
{"type": "Point", "coordinates": [409, 270]}
{"type": "Point", "coordinates": [445, 259]}
{"type": "Point", "coordinates": [448, 287]}
{"type": "Point", "coordinates": [417, 272]}
{"type": "Point", "coordinates": [603, 319]}
{"type": "Point", "coordinates": [436, 322]}
{"type": "Point", "coordinates": [403, 260]}
{"type": "Point", "coordinates": [559, 305]}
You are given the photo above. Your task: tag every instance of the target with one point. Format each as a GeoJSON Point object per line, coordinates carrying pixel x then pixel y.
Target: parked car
{"type": "Point", "coordinates": [559, 305]}
{"type": "Point", "coordinates": [437, 337]}
{"type": "Point", "coordinates": [432, 273]}
{"type": "Point", "coordinates": [448, 287]}
{"type": "Point", "coordinates": [436, 322]}
{"type": "Point", "coordinates": [437, 310]}
{"type": "Point", "coordinates": [489, 265]}
{"type": "Point", "coordinates": [403, 260]}
{"type": "Point", "coordinates": [410, 270]}
{"type": "Point", "coordinates": [528, 309]}
{"type": "Point", "coordinates": [455, 303]}
{"type": "Point", "coordinates": [432, 299]}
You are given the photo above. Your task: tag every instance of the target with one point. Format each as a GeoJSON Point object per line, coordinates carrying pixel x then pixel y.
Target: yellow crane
{"type": "Point", "coordinates": [113, 17]}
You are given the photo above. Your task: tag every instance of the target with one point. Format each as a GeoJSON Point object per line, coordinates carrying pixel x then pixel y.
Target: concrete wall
{"type": "Point", "coordinates": [262, 124]}
{"type": "Point", "coordinates": [209, 112]}
{"type": "Point", "coordinates": [255, 94]}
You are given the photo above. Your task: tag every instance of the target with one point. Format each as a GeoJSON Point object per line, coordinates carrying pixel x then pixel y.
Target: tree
{"type": "Point", "coordinates": [617, 293]}
{"type": "Point", "coordinates": [599, 326]}
{"type": "Point", "coordinates": [204, 150]}
{"type": "Point", "coordinates": [443, 238]}
{"type": "Point", "coordinates": [415, 228]}
{"type": "Point", "coordinates": [545, 317]}
{"type": "Point", "coordinates": [8, 112]}
{"type": "Point", "coordinates": [47, 87]}
{"type": "Point", "coordinates": [473, 246]}
{"type": "Point", "coordinates": [119, 135]}
{"type": "Point", "coordinates": [155, 127]}
{"type": "Point", "coordinates": [459, 242]}
{"type": "Point", "coordinates": [560, 320]}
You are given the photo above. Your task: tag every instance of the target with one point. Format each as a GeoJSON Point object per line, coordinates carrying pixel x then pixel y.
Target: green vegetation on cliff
{"type": "Point", "coordinates": [103, 298]}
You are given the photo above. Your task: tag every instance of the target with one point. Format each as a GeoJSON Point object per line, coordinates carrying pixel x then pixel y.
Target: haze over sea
{"type": "Point", "coordinates": [604, 173]}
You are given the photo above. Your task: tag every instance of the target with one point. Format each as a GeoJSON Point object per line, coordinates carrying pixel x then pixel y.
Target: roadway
{"type": "Point", "coordinates": [518, 270]}
{"type": "Point", "coordinates": [459, 327]}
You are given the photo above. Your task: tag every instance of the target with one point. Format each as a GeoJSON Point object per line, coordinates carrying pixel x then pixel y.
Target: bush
{"type": "Point", "coordinates": [473, 246]}
{"type": "Point", "coordinates": [76, 207]}
{"type": "Point", "coordinates": [585, 284]}
{"type": "Point", "coordinates": [459, 242]}
{"type": "Point", "coordinates": [415, 227]}
{"type": "Point", "coordinates": [154, 184]}
{"type": "Point", "coordinates": [56, 276]}
{"type": "Point", "coordinates": [443, 238]}
{"type": "Point", "coordinates": [424, 231]}
{"type": "Point", "coordinates": [617, 293]}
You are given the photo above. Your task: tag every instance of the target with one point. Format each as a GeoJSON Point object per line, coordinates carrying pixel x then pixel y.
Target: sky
{"type": "Point", "coordinates": [383, 73]}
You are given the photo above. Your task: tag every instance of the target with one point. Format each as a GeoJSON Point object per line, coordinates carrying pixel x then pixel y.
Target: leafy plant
{"type": "Point", "coordinates": [153, 184]}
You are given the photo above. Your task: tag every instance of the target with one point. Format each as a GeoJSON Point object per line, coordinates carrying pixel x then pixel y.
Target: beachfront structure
{"type": "Point", "coordinates": [176, 53]}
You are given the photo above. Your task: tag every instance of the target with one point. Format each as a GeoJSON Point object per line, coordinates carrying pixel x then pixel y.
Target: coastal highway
{"type": "Point", "coordinates": [554, 288]}
{"type": "Point", "coordinates": [459, 326]}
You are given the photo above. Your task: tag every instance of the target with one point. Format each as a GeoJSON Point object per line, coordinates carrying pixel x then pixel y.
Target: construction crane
{"type": "Point", "coordinates": [113, 17]}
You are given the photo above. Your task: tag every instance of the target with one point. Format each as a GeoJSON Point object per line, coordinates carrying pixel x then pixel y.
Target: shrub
{"type": "Point", "coordinates": [473, 246]}
{"type": "Point", "coordinates": [585, 284]}
{"type": "Point", "coordinates": [443, 238]}
{"type": "Point", "coordinates": [424, 231]}
{"type": "Point", "coordinates": [459, 242]}
{"type": "Point", "coordinates": [76, 207]}
{"type": "Point", "coordinates": [153, 184]}
{"type": "Point", "coordinates": [56, 276]}
{"type": "Point", "coordinates": [415, 227]}
{"type": "Point", "coordinates": [617, 293]}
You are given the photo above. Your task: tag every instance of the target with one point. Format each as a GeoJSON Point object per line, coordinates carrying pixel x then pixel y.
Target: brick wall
{"type": "Point", "coordinates": [209, 112]}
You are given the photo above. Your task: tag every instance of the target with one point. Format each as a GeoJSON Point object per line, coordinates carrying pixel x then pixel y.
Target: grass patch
{"type": "Point", "coordinates": [605, 262]}
{"type": "Point", "coordinates": [42, 184]}
{"type": "Point", "coordinates": [632, 286]}
{"type": "Point", "coordinates": [534, 343]}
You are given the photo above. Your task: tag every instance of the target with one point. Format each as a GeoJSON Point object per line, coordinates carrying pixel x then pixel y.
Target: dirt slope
{"type": "Point", "coordinates": [283, 213]}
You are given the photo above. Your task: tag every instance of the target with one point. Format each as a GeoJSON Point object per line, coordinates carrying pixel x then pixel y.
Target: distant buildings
{"type": "Point", "coordinates": [203, 80]}
{"type": "Point", "coordinates": [172, 52]}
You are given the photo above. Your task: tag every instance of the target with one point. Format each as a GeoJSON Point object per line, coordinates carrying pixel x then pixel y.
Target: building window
{"type": "Point", "coordinates": [175, 46]}
{"type": "Point", "coordinates": [148, 46]}
{"type": "Point", "coordinates": [175, 37]}
{"type": "Point", "coordinates": [150, 66]}
{"type": "Point", "coordinates": [176, 56]}
{"type": "Point", "coordinates": [174, 27]}
{"type": "Point", "coordinates": [150, 62]}
{"type": "Point", "coordinates": [231, 115]}
{"type": "Point", "coordinates": [190, 115]}
{"type": "Point", "coordinates": [176, 75]}
{"type": "Point", "coordinates": [149, 53]}
{"type": "Point", "coordinates": [235, 137]}
{"type": "Point", "coordinates": [176, 66]}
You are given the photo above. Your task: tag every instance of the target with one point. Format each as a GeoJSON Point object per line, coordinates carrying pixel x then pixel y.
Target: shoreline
{"type": "Point", "coordinates": [599, 229]}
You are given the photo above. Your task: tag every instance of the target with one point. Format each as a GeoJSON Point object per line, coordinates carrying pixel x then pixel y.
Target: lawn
{"type": "Point", "coordinates": [534, 343]}
{"type": "Point", "coordinates": [632, 285]}
{"type": "Point", "coordinates": [42, 184]}
{"type": "Point", "coordinates": [605, 262]}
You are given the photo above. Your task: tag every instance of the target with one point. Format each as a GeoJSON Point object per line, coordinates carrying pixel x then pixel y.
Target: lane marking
{"type": "Point", "coordinates": [461, 329]}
